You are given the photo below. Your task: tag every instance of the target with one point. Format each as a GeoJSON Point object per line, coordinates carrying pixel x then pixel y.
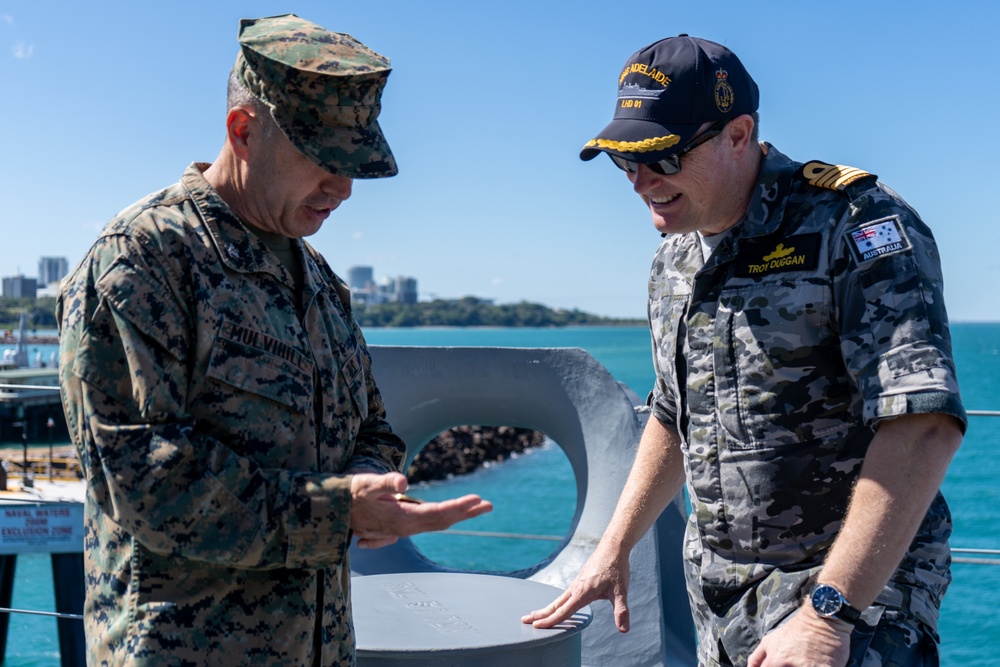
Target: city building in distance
{"type": "Point", "coordinates": [366, 291]}
{"type": "Point", "coordinates": [20, 287]}
{"type": "Point", "coordinates": [51, 270]}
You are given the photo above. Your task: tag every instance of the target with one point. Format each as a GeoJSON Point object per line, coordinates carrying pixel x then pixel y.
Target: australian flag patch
{"type": "Point", "coordinates": [878, 238]}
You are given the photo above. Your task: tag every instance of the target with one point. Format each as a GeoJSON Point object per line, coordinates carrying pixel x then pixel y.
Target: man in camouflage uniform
{"type": "Point", "coordinates": [805, 384]}
{"type": "Point", "coordinates": [220, 393]}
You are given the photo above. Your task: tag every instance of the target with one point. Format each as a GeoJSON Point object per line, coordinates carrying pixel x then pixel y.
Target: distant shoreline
{"type": "Point", "coordinates": [52, 339]}
{"type": "Point", "coordinates": [601, 325]}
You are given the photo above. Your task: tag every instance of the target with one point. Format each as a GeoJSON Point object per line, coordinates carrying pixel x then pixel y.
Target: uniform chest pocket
{"type": "Point", "coordinates": [263, 366]}
{"type": "Point", "coordinates": [780, 375]}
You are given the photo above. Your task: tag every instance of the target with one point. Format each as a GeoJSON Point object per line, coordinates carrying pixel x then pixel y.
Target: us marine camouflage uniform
{"type": "Point", "coordinates": [819, 315]}
{"type": "Point", "coordinates": [215, 410]}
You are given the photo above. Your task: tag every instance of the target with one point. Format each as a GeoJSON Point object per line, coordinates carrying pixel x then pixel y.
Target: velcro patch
{"type": "Point", "coordinates": [795, 253]}
{"type": "Point", "coordinates": [830, 176]}
{"type": "Point", "coordinates": [882, 237]}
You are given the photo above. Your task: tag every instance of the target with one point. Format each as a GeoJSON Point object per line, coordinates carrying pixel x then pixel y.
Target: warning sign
{"type": "Point", "coordinates": [52, 527]}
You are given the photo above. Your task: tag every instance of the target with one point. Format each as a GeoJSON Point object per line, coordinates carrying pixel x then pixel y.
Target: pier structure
{"type": "Point", "coordinates": [40, 513]}
{"type": "Point", "coordinates": [22, 339]}
{"type": "Point", "coordinates": [46, 517]}
{"type": "Point", "coordinates": [30, 407]}
{"type": "Point", "coordinates": [8, 338]}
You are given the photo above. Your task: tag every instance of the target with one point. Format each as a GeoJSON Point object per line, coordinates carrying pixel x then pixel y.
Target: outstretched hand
{"type": "Point", "coordinates": [378, 518]}
{"type": "Point", "coordinates": [603, 577]}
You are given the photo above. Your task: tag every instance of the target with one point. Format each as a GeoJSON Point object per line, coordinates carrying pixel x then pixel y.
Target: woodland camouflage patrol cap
{"type": "Point", "coordinates": [324, 91]}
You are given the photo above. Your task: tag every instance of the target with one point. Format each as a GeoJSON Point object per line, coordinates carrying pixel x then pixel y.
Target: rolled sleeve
{"type": "Point", "coordinates": [895, 339]}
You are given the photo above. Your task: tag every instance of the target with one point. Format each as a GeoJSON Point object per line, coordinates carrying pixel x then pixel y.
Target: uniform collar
{"type": "Point", "coordinates": [764, 216]}
{"type": "Point", "coordinates": [767, 203]}
{"type": "Point", "coordinates": [238, 248]}
{"type": "Point", "coordinates": [765, 212]}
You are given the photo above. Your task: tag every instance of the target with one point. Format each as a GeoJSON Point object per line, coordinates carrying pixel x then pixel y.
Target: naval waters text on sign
{"type": "Point", "coordinates": [41, 528]}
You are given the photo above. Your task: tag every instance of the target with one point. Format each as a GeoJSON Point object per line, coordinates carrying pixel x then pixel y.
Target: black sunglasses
{"type": "Point", "coordinates": [671, 165]}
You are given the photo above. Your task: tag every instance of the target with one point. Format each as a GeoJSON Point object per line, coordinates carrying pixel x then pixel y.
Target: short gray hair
{"type": "Point", "coordinates": [237, 95]}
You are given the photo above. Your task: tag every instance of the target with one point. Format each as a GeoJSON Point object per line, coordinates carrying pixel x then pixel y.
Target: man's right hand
{"type": "Point", "coordinates": [604, 577]}
{"type": "Point", "coordinates": [656, 477]}
{"type": "Point", "coordinates": [379, 519]}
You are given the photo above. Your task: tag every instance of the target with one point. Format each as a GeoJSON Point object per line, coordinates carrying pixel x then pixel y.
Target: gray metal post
{"type": "Point", "coordinates": [8, 564]}
{"type": "Point", "coordinates": [67, 578]}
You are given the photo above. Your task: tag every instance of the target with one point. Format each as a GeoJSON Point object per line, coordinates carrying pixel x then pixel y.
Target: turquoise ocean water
{"type": "Point", "coordinates": [535, 494]}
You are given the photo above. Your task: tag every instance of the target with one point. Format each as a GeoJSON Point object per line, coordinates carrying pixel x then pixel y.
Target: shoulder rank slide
{"type": "Point", "coordinates": [830, 176]}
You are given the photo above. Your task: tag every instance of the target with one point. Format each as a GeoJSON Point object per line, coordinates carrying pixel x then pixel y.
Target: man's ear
{"type": "Point", "coordinates": [238, 123]}
{"type": "Point", "coordinates": [740, 131]}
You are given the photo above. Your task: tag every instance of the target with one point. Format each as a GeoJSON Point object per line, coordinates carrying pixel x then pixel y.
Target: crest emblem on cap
{"type": "Point", "coordinates": [724, 96]}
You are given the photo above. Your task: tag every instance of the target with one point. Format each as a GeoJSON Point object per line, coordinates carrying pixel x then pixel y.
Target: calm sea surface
{"type": "Point", "coordinates": [970, 626]}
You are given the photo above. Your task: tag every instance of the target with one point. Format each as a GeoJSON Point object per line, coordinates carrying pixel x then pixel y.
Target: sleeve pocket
{"type": "Point", "coordinates": [353, 374]}
{"type": "Point", "coordinates": [897, 314]}
{"type": "Point", "coordinates": [140, 299]}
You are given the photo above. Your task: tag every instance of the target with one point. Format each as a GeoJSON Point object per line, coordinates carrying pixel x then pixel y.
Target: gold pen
{"type": "Point", "coordinates": [403, 498]}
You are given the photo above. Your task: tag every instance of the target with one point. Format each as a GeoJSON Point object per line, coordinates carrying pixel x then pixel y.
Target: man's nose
{"type": "Point", "coordinates": [337, 186]}
{"type": "Point", "coordinates": [644, 178]}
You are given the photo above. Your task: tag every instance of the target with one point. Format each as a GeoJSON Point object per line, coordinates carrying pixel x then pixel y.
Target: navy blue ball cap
{"type": "Point", "coordinates": [667, 91]}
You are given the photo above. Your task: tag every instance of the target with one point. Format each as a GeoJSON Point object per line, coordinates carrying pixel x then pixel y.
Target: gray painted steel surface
{"type": "Point", "coordinates": [569, 396]}
{"type": "Point", "coordinates": [455, 619]}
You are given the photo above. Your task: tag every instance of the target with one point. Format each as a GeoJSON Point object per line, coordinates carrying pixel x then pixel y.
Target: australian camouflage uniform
{"type": "Point", "coordinates": [216, 411]}
{"type": "Point", "coordinates": [816, 317]}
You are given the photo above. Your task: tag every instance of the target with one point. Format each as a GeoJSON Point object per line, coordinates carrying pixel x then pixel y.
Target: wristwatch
{"type": "Point", "coordinates": [828, 602]}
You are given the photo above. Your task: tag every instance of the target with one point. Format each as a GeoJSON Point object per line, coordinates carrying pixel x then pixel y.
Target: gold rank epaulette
{"type": "Point", "coordinates": [830, 176]}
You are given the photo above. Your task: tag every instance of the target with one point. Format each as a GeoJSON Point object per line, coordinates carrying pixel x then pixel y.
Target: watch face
{"type": "Point", "coordinates": [826, 600]}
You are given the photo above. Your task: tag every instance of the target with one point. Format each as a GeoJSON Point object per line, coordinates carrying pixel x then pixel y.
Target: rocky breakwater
{"type": "Point", "coordinates": [457, 451]}
{"type": "Point", "coordinates": [463, 449]}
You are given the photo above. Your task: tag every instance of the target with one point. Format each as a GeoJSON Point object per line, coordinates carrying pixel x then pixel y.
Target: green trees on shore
{"type": "Point", "coordinates": [41, 312]}
{"type": "Point", "coordinates": [473, 312]}
{"type": "Point", "coordinates": [465, 312]}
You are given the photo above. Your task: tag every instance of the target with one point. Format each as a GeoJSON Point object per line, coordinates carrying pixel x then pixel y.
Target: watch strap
{"type": "Point", "coordinates": [848, 613]}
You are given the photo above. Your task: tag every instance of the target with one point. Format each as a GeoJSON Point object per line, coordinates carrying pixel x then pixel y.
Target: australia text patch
{"type": "Point", "coordinates": [794, 253]}
{"type": "Point", "coordinates": [878, 238]}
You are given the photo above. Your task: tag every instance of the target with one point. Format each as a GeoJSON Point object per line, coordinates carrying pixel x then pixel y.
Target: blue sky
{"type": "Point", "coordinates": [486, 110]}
